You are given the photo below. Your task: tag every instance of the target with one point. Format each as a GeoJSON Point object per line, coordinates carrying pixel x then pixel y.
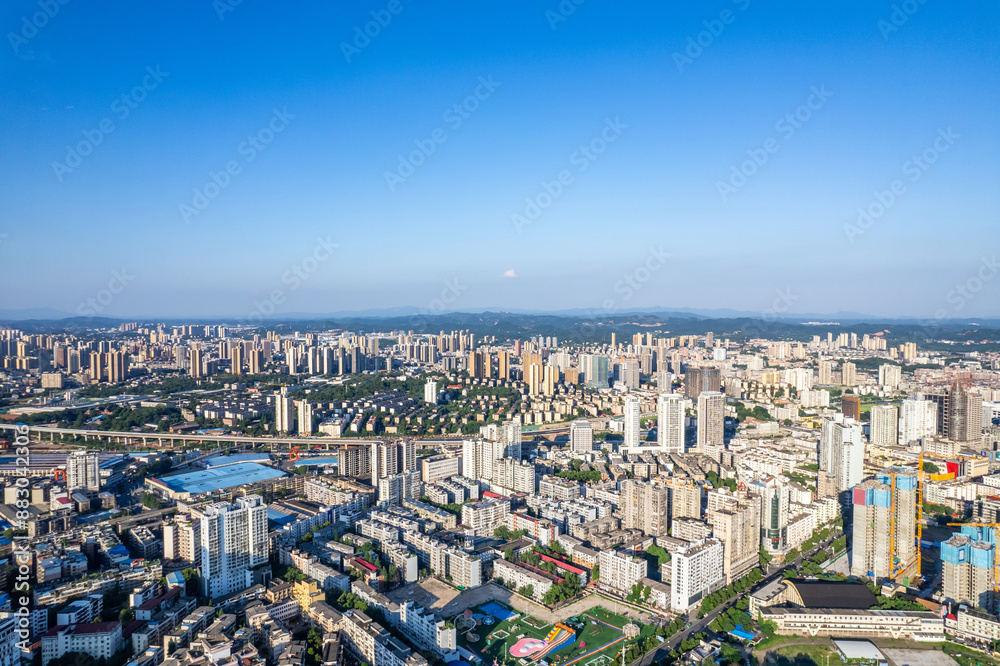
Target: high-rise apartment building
{"type": "Point", "coordinates": [645, 506]}
{"type": "Point", "coordinates": [884, 425]}
{"type": "Point", "coordinates": [390, 458]}
{"type": "Point", "coordinates": [695, 573]}
{"type": "Point", "coordinates": [397, 487]}
{"type": "Point", "coordinates": [967, 561]}
{"type": "Point", "coordinates": [670, 423]}
{"type": "Point", "coordinates": [581, 436]}
{"type": "Point", "coordinates": [478, 456]}
{"type": "Point", "coordinates": [885, 526]}
{"type": "Point", "coordinates": [698, 380]}
{"type": "Point", "coordinates": [775, 497]}
{"type": "Point", "coordinates": [917, 420]}
{"type": "Point", "coordinates": [849, 373]}
{"type": "Point", "coordinates": [236, 358]}
{"type": "Point", "coordinates": [233, 542]}
{"type": "Point", "coordinates": [503, 364]}
{"type": "Point", "coordinates": [711, 419]}
{"type": "Point", "coordinates": [284, 412]}
{"type": "Point", "coordinates": [516, 476]}
{"type": "Point", "coordinates": [850, 407]}
{"type": "Point", "coordinates": [632, 421]}
{"type": "Point", "coordinates": [965, 415]}
{"type": "Point", "coordinates": [735, 520]}
{"type": "Point", "coordinates": [431, 392]}
{"type": "Point", "coordinates": [195, 368]}
{"type": "Point", "coordinates": [842, 451]}
{"type": "Point", "coordinates": [890, 375]}
{"type": "Point", "coordinates": [825, 373]}
{"type": "Point", "coordinates": [83, 470]}
{"type": "Point", "coordinates": [652, 505]}
{"type": "Point", "coordinates": [595, 370]}
{"type": "Point", "coordinates": [305, 417]}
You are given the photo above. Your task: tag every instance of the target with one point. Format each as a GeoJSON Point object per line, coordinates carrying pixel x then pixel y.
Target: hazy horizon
{"type": "Point", "coordinates": [224, 159]}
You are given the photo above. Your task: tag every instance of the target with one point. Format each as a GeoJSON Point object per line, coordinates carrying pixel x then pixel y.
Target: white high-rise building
{"type": "Point", "coordinates": [884, 425]}
{"type": "Point", "coordinates": [889, 375]}
{"type": "Point", "coordinates": [670, 423]}
{"type": "Point", "coordinates": [233, 541]}
{"type": "Point", "coordinates": [305, 417]}
{"type": "Point", "coordinates": [842, 451]}
{"type": "Point", "coordinates": [284, 412]}
{"type": "Point", "coordinates": [83, 470]}
{"type": "Point", "coordinates": [431, 392]}
{"type": "Point", "coordinates": [775, 497]}
{"type": "Point", "coordinates": [917, 419]}
{"type": "Point", "coordinates": [581, 436]}
{"type": "Point", "coordinates": [695, 573]}
{"type": "Point", "coordinates": [478, 456]}
{"type": "Point", "coordinates": [397, 487]}
{"type": "Point", "coordinates": [711, 419]}
{"type": "Point", "coordinates": [632, 414]}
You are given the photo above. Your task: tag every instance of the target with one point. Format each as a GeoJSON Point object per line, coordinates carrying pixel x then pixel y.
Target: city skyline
{"type": "Point", "coordinates": [533, 158]}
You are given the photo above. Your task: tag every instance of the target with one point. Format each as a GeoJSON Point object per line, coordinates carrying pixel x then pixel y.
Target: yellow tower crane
{"type": "Point", "coordinates": [920, 505]}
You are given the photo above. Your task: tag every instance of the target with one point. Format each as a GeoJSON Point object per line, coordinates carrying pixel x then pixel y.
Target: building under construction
{"type": "Point", "coordinates": [968, 561]}
{"type": "Point", "coordinates": [885, 527]}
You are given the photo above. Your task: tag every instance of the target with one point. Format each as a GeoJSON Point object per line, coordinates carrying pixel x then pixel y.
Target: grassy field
{"type": "Point", "coordinates": [968, 657]}
{"type": "Point", "coordinates": [591, 629]}
{"type": "Point", "coordinates": [810, 655]}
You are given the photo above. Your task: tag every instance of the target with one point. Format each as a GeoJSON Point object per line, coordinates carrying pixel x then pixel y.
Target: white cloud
{"type": "Point", "coordinates": [510, 274]}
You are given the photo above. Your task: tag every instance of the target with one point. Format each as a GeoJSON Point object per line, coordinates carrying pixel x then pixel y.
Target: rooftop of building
{"type": "Point", "coordinates": [820, 594]}
{"type": "Point", "coordinates": [85, 628]}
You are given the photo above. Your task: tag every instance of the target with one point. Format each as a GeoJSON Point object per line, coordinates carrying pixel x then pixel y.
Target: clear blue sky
{"type": "Point", "coordinates": [655, 186]}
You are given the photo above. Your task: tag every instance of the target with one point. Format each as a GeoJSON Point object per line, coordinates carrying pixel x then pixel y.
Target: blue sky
{"type": "Point", "coordinates": [681, 124]}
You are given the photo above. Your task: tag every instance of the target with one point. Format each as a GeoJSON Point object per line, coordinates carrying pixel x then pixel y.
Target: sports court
{"type": "Point", "coordinates": [494, 632]}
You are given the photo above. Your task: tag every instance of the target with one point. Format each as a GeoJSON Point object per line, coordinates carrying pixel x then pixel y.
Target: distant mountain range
{"type": "Point", "coordinates": [580, 326]}
{"type": "Point", "coordinates": [841, 317]}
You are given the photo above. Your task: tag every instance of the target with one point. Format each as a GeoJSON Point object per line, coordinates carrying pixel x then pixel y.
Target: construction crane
{"type": "Point", "coordinates": [996, 563]}
{"type": "Point", "coordinates": [920, 505]}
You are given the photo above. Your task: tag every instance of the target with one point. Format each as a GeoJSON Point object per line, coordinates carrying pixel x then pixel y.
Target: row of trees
{"type": "Point", "coordinates": [733, 617]}
{"type": "Point", "coordinates": [719, 597]}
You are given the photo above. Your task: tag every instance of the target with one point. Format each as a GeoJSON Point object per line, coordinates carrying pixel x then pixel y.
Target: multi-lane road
{"type": "Point", "coordinates": [774, 573]}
